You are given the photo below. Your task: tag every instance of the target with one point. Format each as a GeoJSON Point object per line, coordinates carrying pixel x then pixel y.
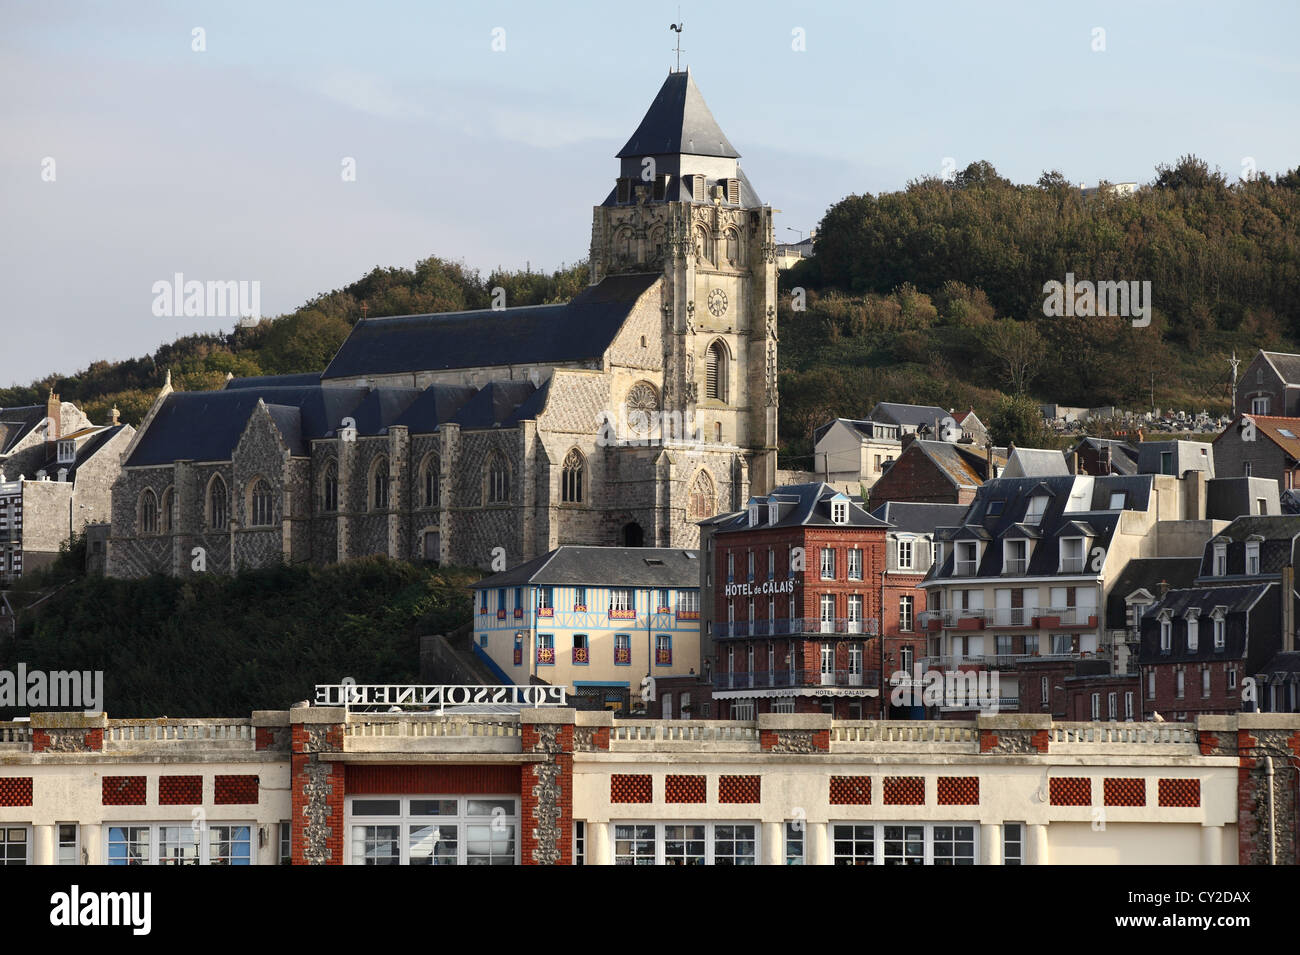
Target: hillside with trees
{"type": "Point", "coordinates": [210, 645]}
{"type": "Point", "coordinates": [932, 294]}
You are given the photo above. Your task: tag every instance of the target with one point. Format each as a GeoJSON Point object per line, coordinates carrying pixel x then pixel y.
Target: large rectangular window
{"type": "Point", "coordinates": [433, 830]}
{"type": "Point", "coordinates": [904, 843]}
{"type": "Point", "coordinates": [1013, 844]}
{"type": "Point", "coordinates": [828, 563]}
{"type": "Point", "coordinates": [13, 845]}
{"type": "Point", "coordinates": [686, 843]}
{"type": "Point", "coordinates": [906, 609]}
{"type": "Point", "coordinates": [180, 844]}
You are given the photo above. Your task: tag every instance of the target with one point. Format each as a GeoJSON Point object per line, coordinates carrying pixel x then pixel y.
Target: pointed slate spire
{"type": "Point", "coordinates": [678, 122]}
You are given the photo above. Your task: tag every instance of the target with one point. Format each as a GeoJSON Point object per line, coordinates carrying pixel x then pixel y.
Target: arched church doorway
{"type": "Point", "coordinates": [633, 536]}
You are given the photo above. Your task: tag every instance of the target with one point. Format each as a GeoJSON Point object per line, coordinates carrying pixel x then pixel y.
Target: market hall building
{"type": "Point", "coordinates": [549, 785]}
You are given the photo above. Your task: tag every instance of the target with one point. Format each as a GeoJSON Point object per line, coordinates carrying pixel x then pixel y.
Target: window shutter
{"type": "Point", "coordinates": [733, 192]}
{"type": "Point", "coordinates": [697, 188]}
{"type": "Point", "coordinates": [711, 374]}
{"type": "Point", "coordinates": [891, 557]}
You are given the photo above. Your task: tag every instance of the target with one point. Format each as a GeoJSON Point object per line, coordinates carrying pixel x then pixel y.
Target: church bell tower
{"type": "Point", "coordinates": [682, 206]}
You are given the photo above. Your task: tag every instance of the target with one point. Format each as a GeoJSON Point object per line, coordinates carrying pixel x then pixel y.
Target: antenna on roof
{"type": "Point", "coordinates": [677, 28]}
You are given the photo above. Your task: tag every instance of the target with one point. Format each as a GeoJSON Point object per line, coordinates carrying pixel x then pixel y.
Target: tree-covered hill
{"type": "Point", "coordinates": [211, 645]}
{"type": "Point", "coordinates": [932, 294]}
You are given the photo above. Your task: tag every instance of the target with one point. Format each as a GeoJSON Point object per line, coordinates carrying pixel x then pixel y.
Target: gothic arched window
{"type": "Point", "coordinates": [261, 504]}
{"type": "Point", "coordinates": [429, 480]}
{"type": "Point", "coordinates": [733, 248]}
{"type": "Point", "coordinates": [700, 505]}
{"type": "Point", "coordinates": [715, 374]}
{"type": "Point", "coordinates": [218, 504]}
{"type": "Point", "coordinates": [379, 484]}
{"type": "Point", "coordinates": [165, 510]}
{"type": "Point", "coordinates": [703, 243]}
{"type": "Point", "coordinates": [148, 518]}
{"type": "Point", "coordinates": [329, 488]}
{"type": "Point", "coordinates": [498, 479]}
{"type": "Point", "coordinates": [571, 478]}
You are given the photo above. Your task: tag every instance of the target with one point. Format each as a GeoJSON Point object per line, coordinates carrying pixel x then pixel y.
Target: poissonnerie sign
{"type": "Point", "coordinates": [389, 694]}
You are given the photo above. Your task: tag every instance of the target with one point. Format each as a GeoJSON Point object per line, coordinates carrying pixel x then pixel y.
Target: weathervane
{"type": "Point", "coordinates": [677, 28]}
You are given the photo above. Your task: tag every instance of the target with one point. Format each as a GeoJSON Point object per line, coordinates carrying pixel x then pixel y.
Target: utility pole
{"type": "Point", "coordinates": [1234, 361]}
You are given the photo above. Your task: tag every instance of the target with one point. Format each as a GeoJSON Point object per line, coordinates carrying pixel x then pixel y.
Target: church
{"type": "Point", "coordinates": [489, 437]}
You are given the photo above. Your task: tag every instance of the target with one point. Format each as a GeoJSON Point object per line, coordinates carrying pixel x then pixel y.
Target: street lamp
{"type": "Point", "coordinates": [798, 232]}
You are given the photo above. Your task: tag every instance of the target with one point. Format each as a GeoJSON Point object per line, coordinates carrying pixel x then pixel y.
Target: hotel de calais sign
{"type": "Point", "coordinates": [761, 588]}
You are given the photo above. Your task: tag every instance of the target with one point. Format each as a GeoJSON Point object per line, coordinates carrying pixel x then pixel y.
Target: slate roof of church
{"type": "Point", "coordinates": [580, 330]}
{"type": "Point", "coordinates": [678, 122]}
{"type": "Point", "coordinates": [207, 425]}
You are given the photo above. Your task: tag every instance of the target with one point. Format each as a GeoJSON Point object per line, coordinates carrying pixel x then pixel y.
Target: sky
{"type": "Point", "coordinates": [144, 139]}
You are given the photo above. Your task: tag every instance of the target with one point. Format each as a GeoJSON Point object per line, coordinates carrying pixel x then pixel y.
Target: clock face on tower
{"type": "Point", "coordinates": [718, 302]}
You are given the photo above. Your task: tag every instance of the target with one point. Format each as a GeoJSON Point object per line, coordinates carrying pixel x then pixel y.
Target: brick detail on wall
{"type": "Point", "coordinates": [740, 789]}
{"type": "Point", "coordinates": [546, 795]}
{"type": "Point", "coordinates": [850, 791]}
{"type": "Point", "coordinates": [317, 799]}
{"type": "Point", "coordinates": [959, 790]}
{"type": "Point", "coordinates": [235, 790]}
{"type": "Point", "coordinates": [16, 791]}
{"type": "Point", "coordinates": [1180, 793]}
{"type": "Point", "coordinates": [432, 780]}
{"type": "Point", "coordinates": [180, 790]}
{"type": "Point", "coordinates": [684, 788]}
{"type": "Point", "coordinates": [122, 791]}
{"type": "Point", "coordinates": [1071, 791]}
{"type": "Point", "coordinates": [624, 787]}
{"type": "Point", "coordinates": [1124, 791]}
{"type": "Point", "coordinates": [903, 790]}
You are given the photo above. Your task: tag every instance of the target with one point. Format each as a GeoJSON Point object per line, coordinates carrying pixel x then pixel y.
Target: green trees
{"type": "Point", "coordinates": [210, 645]}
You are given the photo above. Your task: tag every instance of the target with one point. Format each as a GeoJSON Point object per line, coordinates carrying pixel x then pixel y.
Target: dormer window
{"type": "Point", "coordinates": [839, 512]}
{"type": "Point", "coordinates": [1252, 557]}
{"type": "Point", "coordinates": [753, 513]}
{"type": "Point", "coordinates": [1259, 405]}
{"type": "Point", "coordinates": [1193, 629]}
{"type": "Point", "coordinates": [1015, 556]}
{"type": "Point", "coordinates": [1166, 632]}
{"type": "Point", "coordinates": [1037, 506]}
{"type": "Point", "coordinates": [1220, 560]}
{"type": "Point", "coordinates": [67, 452]}
{"type": "Point", "coordinates": [968, 556]}
{"type": "Point", "coordinates": [697, 188]}
{"type": "Point", "coordinates": [733, 192]}
{"type": "Point", "coordinates": [995, 508]}
{"type": "Point", "coordinates": [1220, 628]}
{"type": "Point", "coordinates": [1071, 555]}
{"type": "Point", "coordinates": [773, 512]}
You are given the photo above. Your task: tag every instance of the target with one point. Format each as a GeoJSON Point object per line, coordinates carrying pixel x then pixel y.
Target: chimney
{"type": "Point", "coordinates": [1074, 462]}
{"type": "Point", "coordinates": [115, 416]}
{"type": "Point", "coordinates": [1139, 435]}
{"type": "Point", "coordinates": [906, 440]}
{"type": "Point", "coordinates": [1104, 459]}
{"type": "Point", "coordinates": [53, 411]}
{"type": "Point", "coordinates": [1162, 588]}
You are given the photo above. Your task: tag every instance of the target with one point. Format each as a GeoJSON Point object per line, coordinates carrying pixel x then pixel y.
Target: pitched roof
{"type": "Point", "coordinates": [17, 422]}
{"type": "Point", "coordinates": [678, 122]}
{"type": "Point", "coordinates": [1147, 573]}
{"type": "Point", "coordinates": [802, 505]}
{"type": "Point", "coordinates": [962, 464]}
{"type": "Point", "coordinates": [580, 330]}
{"type": "Point", "coordinates": [919, 518]}
{"type": "Point", "coordinates": [570, 565]}
{"type": "Point", "coordinates": [87, 450]}
{"type": "Point", "coordinates": [1236, 601]}
{"type": "Point", "coordinates": [275, 381]}
{"type": "Point", "coordinates": [1123, 456]}
{"type": "Point", "coordinates": [1284, 432]}
{"type": "Point", "coordinates": [1287, 366]}
{"type": "Point", "coordinates": [1037, 462]}
{"type": "Point", "coordinates": [890, 412]}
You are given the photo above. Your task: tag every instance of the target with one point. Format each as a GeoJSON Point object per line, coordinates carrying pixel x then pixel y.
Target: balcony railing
{"type": "Point", "coordinates": [799, 626]}
{"type": "Point", "coordinates": [1011, 616]}
{"type": "Point", "coordinates": [1072, 565]}
{"type": "Point", "coordinates": [776, 679]}
{"type": "Point", "coordinates": [1015, 565]}
{"type": "Point", "coordinates": [965, 568]}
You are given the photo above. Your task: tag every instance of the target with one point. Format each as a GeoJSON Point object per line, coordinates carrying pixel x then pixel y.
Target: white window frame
{"type": "Point", "coordinates": [61, 845]}
{"type": "Point", "coordinates": [855, 563]}
{"type": "Point", "coordinates": [1013, 835]}
{"type": "Point", "coordinates": [1082, 557]}
{"type": "Point", "coordinates": [1128, 706]}
{"type": "Point", "coordinates": [205, 838]}
{"type": "Point", "coordinates": [1220, 560]}
{"type": "Point", "coordinates": [878, 832]}
{"type": "Point", "coordinates": [906, 554]}
{"type": "Point", "coordinates": [713, 832]}
{"type": "Point", "coordinates": [839, 512]}
{"type": "Point", "coordinates": [1220, 629]}
{"type": "Point", "coordinates": [8, 830]}
{"type": "Point", "coordinates": [1193, 630]}
{"type": "Point", "coordinates": [404, 820]}
{"type": "Point", "coordinates": [1252, 558]}
{"type": "Point", "coordinates": [826, 560]}
{"type": "Point", "coordinates": [906, 613]}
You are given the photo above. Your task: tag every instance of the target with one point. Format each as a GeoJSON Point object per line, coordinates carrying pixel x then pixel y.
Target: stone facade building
{"type": "Point", "coordinates": [487, 438]}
